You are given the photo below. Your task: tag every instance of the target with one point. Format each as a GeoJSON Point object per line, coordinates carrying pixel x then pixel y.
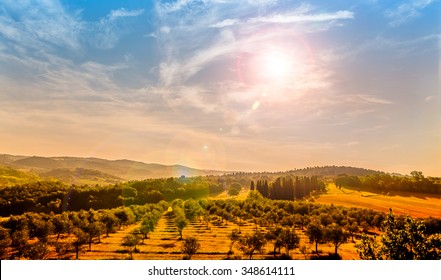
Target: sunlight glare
{"type": "Point", "coordinates": [276, 65]}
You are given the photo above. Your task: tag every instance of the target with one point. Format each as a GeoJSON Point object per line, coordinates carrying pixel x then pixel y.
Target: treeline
{"type": "Point", "coordinates": [288, 188]}
{"type": "Point", "coordinates": [386, 183]}
{"type": "Point", "coordinates": [328, 170]}
{"type": "Point", "coordinates": [56, 197]}
{"type": "Point", "coordinates": [36, 235]}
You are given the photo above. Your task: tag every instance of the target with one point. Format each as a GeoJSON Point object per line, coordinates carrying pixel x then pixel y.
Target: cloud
{"type": "Point", "coordinates": [397, 48]}
{"type": "Point", "coordinates": [40, 24]}
{"type": "Point", "coordinates": [173, 6]}
{"type": "Point", "coordinates": [296, 18]}
{"type": "Point", "coordinates": [115, 14]}
{"type": "Point", "coordinates": [407, 12]}
{"type": "Point", "coordinates": [287, 18]}
{"type": "Point", "coordinates": [225, 23]}
{"type": "Point", "coordinates": [108, 31]}
{"type": "Point", "coordinates": [375, 100]}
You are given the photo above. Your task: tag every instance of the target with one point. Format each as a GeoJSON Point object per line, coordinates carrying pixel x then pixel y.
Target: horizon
{"type": "Point", "coordinates": [222, 85]}
{"type": "Point", "coordinates": [228, 171]}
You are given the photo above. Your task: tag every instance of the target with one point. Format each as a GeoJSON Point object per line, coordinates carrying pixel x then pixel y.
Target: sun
{"type": "Point", "coordinates": [276, 65]}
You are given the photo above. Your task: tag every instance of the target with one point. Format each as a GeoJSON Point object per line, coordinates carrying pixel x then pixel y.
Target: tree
{"type": "Point", "coordinates": [147, 226]}
{"type": "Point", "coordinates": [192, 209]}
{"type": "Point", "coordinates": [36, 251]}
{"type": "Point", "coordinates": [289, 239]}
{"type": "Point", "coordinates": [42, 230]}
{"type": "Point", "coordinates": [315, 233]}
{"type": "Point", "coordinates": [190, 246]}
{"type": "Point", "coordinates": [251, 243]}
{"type": "Point", "coordinates": [402, 240]}
{"type": "Point", "coordinates": [5, 242]}
{"type": "Point", "coordinates": [368, 249]}
{"type": "Point", "coordinates": [130, 241]}
{"type": "Point", "coordinates": [352, 229]}
{"type": "Point", "coordinates": [110, 221]}
{"type": "Point", "coordinates": [19, 240]}
{"type": "Point", "coordinates": [181, 222]}
{"type": "Point", "coordinates": [233, 191]}
{"type": "Point", "coordinates": [274, 234]}
{"type": "Point", "coordinates": [124, 216]}
{"type": "Point", "coordinates": [336, 235]}
{"type": "Point", "coordinates": [60, 224]}
{"type": "Point", "coordinates": [80, 238]}
{"type": "Point", "coordinates": [62, 249]}
{"type": "Point", "coordinates": [252, 185]}
{"type": "Point", "coordinates": [234, 237]}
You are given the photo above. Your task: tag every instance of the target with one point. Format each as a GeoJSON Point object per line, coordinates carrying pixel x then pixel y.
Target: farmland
{"type": "Point", "coordinates": [403, 203]}
{"type": "Point", "coordinates": [228, 217]}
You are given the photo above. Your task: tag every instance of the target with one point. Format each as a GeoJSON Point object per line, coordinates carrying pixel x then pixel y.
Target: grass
{"type": "Point", "coordinates": [164, 243]}
{"type": "Point", "coordinates": [416, 205]}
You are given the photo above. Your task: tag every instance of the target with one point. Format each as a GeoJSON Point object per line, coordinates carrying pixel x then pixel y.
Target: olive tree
{"type": "Point", "coordinates": [190, 246]}
{"type": "Point", "coordinates": [252, 243]}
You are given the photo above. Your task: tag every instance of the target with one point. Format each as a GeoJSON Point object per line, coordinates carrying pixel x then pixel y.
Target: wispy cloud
{"type": "Point", "coordinates": [407, 11]}
{"type": "Point", "coordinates": [225, 23]}
{"type": "Point", "coordinates": [296, 18]}
{"type": "Point", "coordinates": [114, 14]}
{"type": "Point", "coordinates": [374, 99]}
{"type": "Point", "coordinates": [108, 31]}
{"type": "Point", "coordinates": [43, 24]}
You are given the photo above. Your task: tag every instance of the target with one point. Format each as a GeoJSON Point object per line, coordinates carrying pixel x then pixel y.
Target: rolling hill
{"type": "Point", "coordinates": [76, 170]}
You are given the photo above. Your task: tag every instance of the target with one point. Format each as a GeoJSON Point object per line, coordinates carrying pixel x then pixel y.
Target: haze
{"type": "Point", "coordinates": [228, 85]}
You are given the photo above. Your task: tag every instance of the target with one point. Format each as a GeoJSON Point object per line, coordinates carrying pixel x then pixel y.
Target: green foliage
{"type": "Point", "coordinates": [192, 209]}
{"type": "Point", "coordinates": [180, 217]}
{"type": "Point", "coordinates": [368, 248]}
{"type": "Point", "coordinates": [80, 238]}
{"type": "Point", "coordinates": [110, 222]}
{"type": "Point", "coordinates": [252, 243]}
{"type": "Point", "coordinates": [36, 251]}
{"type": "Point", "coordinates": [336, 235]}
{"type": "Point", "coordinates": [402, 240]}
{"type": "Point", "coordinates": [181, 222]}
{"type": "Point", "coordinates": [288, 187]}
{"type": "Point", "coordinates": [5, 242]}
{"type": "Point", "coordinates": [130, 241]}
{"type": "Point", "coordinates": [289, 239]}
{"type": "Point", "coordinates": [385, 183]}
{"type": "Point", "coordinates": [190, 246]}
{"type": "Point", "coordinates": [316, 233]}
{"type": "Point", "coordinates": [10, 177]}
{"type": "Point", "coordinates": [234, 237]}
{"type": "Point", "coordinates": [233, 191]}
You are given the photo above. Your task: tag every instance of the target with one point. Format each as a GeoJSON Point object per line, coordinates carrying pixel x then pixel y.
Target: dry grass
{"type": "Point", "coordinates": [164, 243]}
{"type": "Point", "coordinates": [416, 205]}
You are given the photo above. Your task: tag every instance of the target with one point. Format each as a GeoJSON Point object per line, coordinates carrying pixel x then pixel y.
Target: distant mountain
{"type": "Point", "coordinates": [76, 170]}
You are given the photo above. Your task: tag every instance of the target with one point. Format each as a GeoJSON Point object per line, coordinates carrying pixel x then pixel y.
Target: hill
{"type": "Point", "coordinates": [76, 170]}
{"type": "Point", "coordinates": [10, 176]}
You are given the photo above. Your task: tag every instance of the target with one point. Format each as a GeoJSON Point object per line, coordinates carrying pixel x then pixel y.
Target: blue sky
{"type": "Point", "coordinates": [222, 84]}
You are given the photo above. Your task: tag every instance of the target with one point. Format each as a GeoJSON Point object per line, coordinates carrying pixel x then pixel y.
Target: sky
{"type": "Point", "coordinates": [252, 85]}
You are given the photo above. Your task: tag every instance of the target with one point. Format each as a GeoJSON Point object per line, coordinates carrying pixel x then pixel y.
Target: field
{"type": "Point", "coordinates": [164, 243]}
{"type": "Point", "coordinates": [417, 205]}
